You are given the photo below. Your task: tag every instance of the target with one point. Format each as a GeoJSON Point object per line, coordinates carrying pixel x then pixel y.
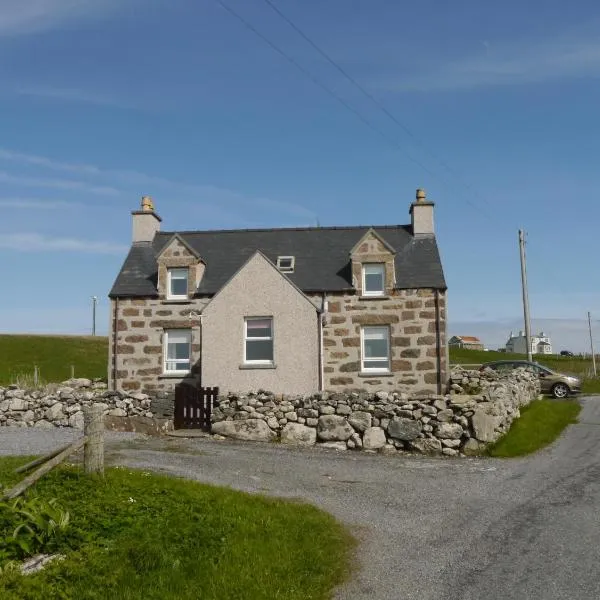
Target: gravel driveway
{"type": "Point", "coordinates": [458, 529]}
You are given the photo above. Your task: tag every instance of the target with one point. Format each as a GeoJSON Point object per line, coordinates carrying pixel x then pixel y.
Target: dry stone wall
{"type": "Point", "coordinates": [61, 405]}
{"type": "Point", "coordinates": [477, 411]}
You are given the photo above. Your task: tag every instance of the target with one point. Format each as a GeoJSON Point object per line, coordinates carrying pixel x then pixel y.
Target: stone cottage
{"type": "Point", "coordinates": [287, 310]}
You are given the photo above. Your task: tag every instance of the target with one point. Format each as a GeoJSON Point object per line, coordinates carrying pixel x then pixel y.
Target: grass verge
{"type": "Point", "coordinates": [53, 355]}
{"type": "Point", "coordinates": [137, 535]}
{"type": "Point", "coordinates": [541, 423]}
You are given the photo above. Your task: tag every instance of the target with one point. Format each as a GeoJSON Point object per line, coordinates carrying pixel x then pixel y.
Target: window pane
{"type": "Point", "coordinates": [258, 328]}
{"type": "Point", "coordinates": [376, 348]}
{"type": "Point", "coordinates": [178, 337]}
{"type": "Point", "coordinates": [377, 364]}
{"type": "Point", "coordinates": [179, 286]}
{"type": "Point", "coordinates": [178, 351]}
{"type": "Point", "coordinates": [374, 278]}
{"type": "Point", "coordinates": [259, 350]}
{"type": "Point", "coordinates": [375, 333]}
{"type": "Point", "coordinates": [178, 366]}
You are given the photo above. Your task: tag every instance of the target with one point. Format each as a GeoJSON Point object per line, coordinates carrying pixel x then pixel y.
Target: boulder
{"type": "Point", "coordinates": [54, 412]}
{"type": "Point", "coordinates": [254, 430]}
{"type": "Point", "coordinates": [484, 426]}
{"type": "Point", "coordinates": [333, 445]}
{"type": "Point", "coordinates": [360, 420]}
{"type": "Point", "coordinates": [76, 420]}
{"type": "Point", "coordinates": [17, 403]}
{"type": "Point", "coordinates": [451, 431]}
{"type": "Point", "coordinates": [404, 429]}
{"type": "Point", "coordinates": [445, 415]}
{"type": "Point", "coordinates": [43, 424]}
{"type": "Point", "coordinates": [333, 428]}
{"type": "Point", "coordinates": [117, 412]}
{"type": "Point", "coordinates": [426, 445]}
{"type": "Point", "coordinates": [373, 438]}
{"type": "Point", "coordinates": [472, 446]}
{"type": "Point", "coordinates": [294, 433]}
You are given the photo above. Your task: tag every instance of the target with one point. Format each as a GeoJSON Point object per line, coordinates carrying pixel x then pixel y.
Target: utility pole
{"type": "Point", "coordinates": [94, 300]}
{"type": "Point", "coordinates": [592, 343]}
{"type": "Point", "coordinates": [525, 294]}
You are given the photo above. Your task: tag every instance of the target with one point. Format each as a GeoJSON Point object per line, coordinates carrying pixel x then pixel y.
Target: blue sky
{"type": "Point", "coordinates": [102, 101]}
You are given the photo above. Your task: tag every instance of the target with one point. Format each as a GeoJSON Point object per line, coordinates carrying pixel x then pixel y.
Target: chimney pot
{"type": "Point", "coordinates": [421, 196]}
{"type": "Point", "coordinates": [147, 204]}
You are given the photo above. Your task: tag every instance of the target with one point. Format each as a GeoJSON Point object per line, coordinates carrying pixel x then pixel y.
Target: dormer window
{"type": "Point", "coordinates": [177, 284]}
{"type": "Point", "coordinates": [286, 264]}
{"type": "Point", "coordinates": [373, 279]}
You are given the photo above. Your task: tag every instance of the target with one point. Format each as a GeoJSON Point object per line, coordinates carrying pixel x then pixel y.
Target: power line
{"type": "Point", "coordinates": [339, 99]}
{"type": "Point", "coordinates": [372, 98]}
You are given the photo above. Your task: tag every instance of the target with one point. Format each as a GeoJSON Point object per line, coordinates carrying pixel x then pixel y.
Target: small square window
{"type": "Point", "coordinates": [177, 283]}
{"type": "Point", "coordinates": [286, 264]}
{"type": "Point", "coordinates": [373, 279]}
{"type": "Point", "coordinates": [177, 351]}
{"type": "Point", "coordinates": [258, 342]}
{"type": "Point", "coordinates": [375, 349]}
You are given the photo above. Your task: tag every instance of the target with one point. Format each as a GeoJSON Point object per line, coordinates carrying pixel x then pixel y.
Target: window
{"type": "Point", "coordinates": [177, 283]}
{"type": "Point", "coordinates": [258, 343]}
{"type": "Point", "coordinates": [373, 279]}
{"type": "Point", "coordinates": [286, 264]}
{"type": "Point", "coordinates": [177, 350]}
{"type": "Point", "coordinates": [375, 349]}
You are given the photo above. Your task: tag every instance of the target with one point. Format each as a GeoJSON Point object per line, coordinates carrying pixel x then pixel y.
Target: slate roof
{"type": "Point", "coordinates": [322, 257]}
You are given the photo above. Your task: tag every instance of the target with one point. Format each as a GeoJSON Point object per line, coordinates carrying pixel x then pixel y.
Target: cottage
{"type": "Point", "coordinates": [465, 341]}
{"type": "Point", "coordinates": [287, 310]}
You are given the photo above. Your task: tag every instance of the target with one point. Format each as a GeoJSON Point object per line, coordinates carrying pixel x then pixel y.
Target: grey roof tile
{"type": "Point", "coordinates": [322, 257]}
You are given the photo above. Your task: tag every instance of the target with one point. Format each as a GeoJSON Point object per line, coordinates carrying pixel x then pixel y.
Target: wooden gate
{"type": "Point", "coordinates": [193, 406]}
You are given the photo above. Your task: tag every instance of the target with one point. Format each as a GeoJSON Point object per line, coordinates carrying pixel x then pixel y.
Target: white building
{"type": "Point", "coordinates": [540, 344]}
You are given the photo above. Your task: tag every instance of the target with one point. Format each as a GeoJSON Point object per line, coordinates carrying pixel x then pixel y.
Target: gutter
{"type": "Point", "coordinates": [320, 313]}
{"type": "Point", "coordinates": [438, 342]}
{"type": "Point", "coordinates": [114, 353]}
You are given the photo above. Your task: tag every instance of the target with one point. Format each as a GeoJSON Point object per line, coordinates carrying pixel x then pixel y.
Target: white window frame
{"type": "Point", "coordinates": [258, 339]}
{"type": "Point", "coordinates": [170, 272]}
{"type": "Point", "coordinates": [363, 358]}
{"type": "Point", "coordinates": [166, 360]}
{"type": "Point", "coordinates": [364, 279]}
{"type": "Point", "coordinates": [289, 269]}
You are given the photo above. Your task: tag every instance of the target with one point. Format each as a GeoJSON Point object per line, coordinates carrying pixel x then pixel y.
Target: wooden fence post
{"type": "Point", "coordinates": [72, 371]}
{"type": "Point", "coordinates": [93, 429]}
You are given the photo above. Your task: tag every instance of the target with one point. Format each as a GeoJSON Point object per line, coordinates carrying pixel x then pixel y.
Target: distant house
{"type": "Point", "coordinates": [540, 344]}
{"type": "Point", "coordinates": [465, 341]}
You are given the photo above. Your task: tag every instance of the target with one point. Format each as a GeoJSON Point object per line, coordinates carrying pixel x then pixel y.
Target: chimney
{"type": "Point", "coordinates": [421, 212]}
{"type": "Point", "coordinates": [145, 221]}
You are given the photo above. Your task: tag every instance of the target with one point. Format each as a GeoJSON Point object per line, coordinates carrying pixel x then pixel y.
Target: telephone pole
{"type": "Point", "coordinates": [94, 300]}
{"type": "Point", "coordinates": [592, 343]}
{"type": "Point", "coordinates": [525, 294]}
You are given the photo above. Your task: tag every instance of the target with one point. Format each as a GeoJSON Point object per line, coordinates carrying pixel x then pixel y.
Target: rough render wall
{"type": "Point", "coordinates": [140, 328]}
{"type": "Point", "coordinates": [411, 316]}
{"type": "Point", "coordinates": [259, 290]}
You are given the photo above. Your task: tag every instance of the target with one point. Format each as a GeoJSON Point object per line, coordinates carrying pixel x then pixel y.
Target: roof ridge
{"type": "Point", "coordinates": [330, 228]}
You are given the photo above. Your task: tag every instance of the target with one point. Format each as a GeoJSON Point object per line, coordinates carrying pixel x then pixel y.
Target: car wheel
{"type": "Point", "coordinates": [560, 390]}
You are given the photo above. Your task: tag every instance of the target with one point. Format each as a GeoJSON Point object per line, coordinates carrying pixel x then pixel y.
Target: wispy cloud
{"type": "Point", "coordinates": [207, 194]}
{"type": "Point", "coordinates": [574, 55]}
{"type": "Point", "coordinates": [18, 17]}
{"type": "Point", "coordinates": [70, 95]}
{"type": "Point", "coordinates": [35, 204]}
{"type": "Point", "coordinates": [34, 242]}
{"type": "Point", "coordinates": [58, 184]}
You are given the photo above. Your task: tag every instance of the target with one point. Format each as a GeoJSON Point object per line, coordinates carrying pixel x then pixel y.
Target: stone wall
{"type": "Point", "coordinates": [61, 405]}
{"type": "Point", "coordinates": [140, 325]}
{"type": "Point", "coordinates": [411, 317]}
{"type": "Point", "coordinates": [478, 410]}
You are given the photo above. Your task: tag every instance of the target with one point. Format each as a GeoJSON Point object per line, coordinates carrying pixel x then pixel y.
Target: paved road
{"type": "Point", "coordinates": [458, 529]}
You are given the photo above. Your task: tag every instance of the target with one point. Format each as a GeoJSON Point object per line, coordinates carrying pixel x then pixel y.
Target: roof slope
{"type": "Point", "coordinates": [322, 257]}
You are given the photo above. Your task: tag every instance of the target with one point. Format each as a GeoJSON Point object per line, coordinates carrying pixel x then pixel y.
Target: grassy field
{"type": "Point", "coordinates": [136, 535]}
{"type": "Point", "coordinates": [540, 424]}
{"type": "Point", "coordinates": [53, 356]}
{"type": "Point", "coordinates": [572, 365]}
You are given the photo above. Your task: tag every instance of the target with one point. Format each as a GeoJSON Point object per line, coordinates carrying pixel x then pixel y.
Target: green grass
{"type": "Point", "coordinates": [135, 535]}
{"type": "Point", "coordinates": [571, 365]}
{"type": "Point", "coordinates": [541, 423]}
{"type": "Point", "coordinates": [53, 356]}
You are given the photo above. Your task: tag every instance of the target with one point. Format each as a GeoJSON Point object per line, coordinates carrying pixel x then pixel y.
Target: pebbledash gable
{"type": "Point", "coordinates": [292, 311]}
